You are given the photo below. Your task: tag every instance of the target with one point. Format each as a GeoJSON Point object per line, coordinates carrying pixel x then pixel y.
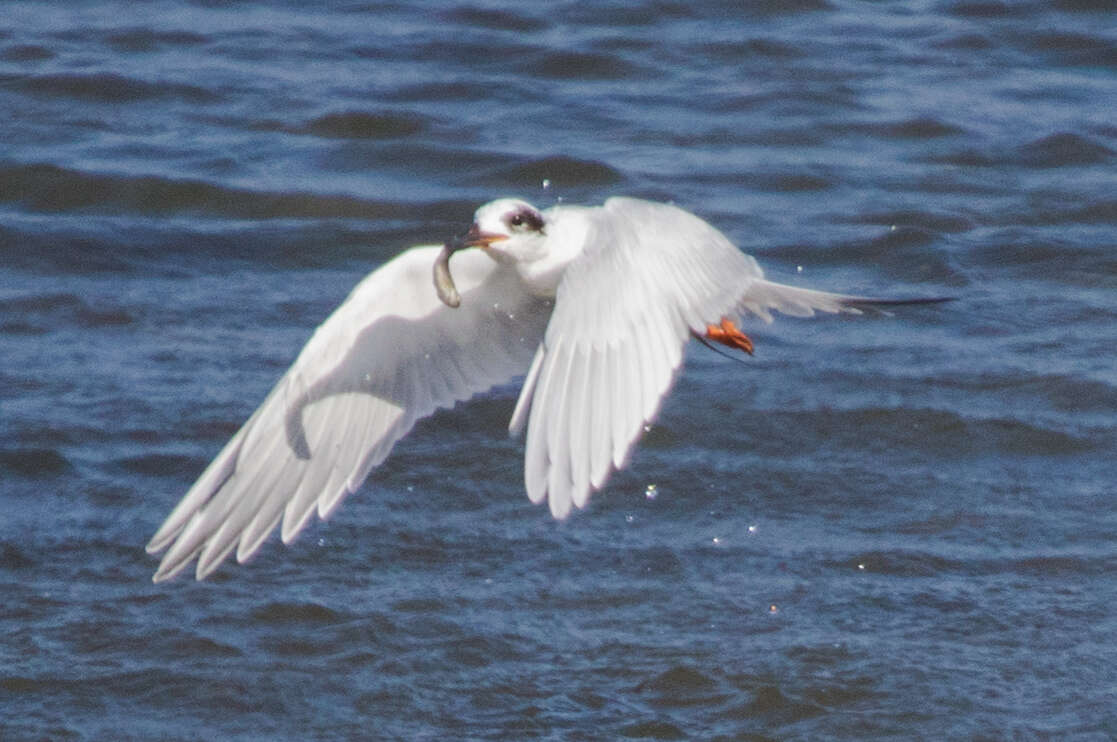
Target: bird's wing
{"type": "Point", "coordinates": [651, 275]}
{"type": "Point", "coordinates": [391, 354]}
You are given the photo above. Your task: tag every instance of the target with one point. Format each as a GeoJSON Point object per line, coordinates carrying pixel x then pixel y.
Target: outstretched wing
{"type": "Point", "coordinates": [651, 275]}
{"type": "Point", "coordinates": [391, 354]}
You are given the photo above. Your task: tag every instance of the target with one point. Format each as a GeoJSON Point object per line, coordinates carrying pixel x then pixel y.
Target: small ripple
{"type": "Point", "coordinates": [106, 87]}
{"type": "Point", "coordinates": [420, 605]}
{"type": "Point", "coordinates": [148, 40]}
{"type": "Point", "coordinates": [915, 128]}
{"type": "Point", "coordinates": [901, 563]}
{"type": "Point", "coordinates": [43, 312]}
{"type": "Point", "coordinates": [470, 54]}
{"type": "Point", "coordinates": [618, 15]}
{"type": "Point", "coordinates": [930, 431]}
{"type": "Point", "coordinates": [26, 53]}
{"type": "Point", "coordinates": [964, 42]}
{"type": "Point", "coordinates": [988, 9]}
{"type": "Point", "coordinates": [734, 51]}
{"type": "Point", "coordinates": [774, 707]}
{"type": "Point", "coordinates": [897, 563]}
{"type": "Point", "coordinates": [364, 125]}
{"type": "Point", "coordinates": [50, 188]}
{"type": "Point", "coordinates": [653, 730]}
{"type": "Point", "coordinates": [13, 557]}
{"type": "Point", "coordinates": [786, 182]}
{"type": "Point", "coordinates": [34, 463]}
{"type": "Point", "coordinates": [162, 465]}
{"type": "Point", "coordinates": [911, 250]}
{"type": "Point", "coordinates": [1063, 392]}
{"type": "Point", "coordinates": [965, 157]}
{"type": "Point", "coordinates": [911, 218]}
{"type": "Point", "coordinates": [440, 92]}
{"type": "Point", "coordinates": [1056, 566]}
{"type": "Point", "coordinates": [569, 65]}
{"type": "Point", "coordinates": [302, 613]}
{"type": "Point", "coordinates": [1072, 49]}
{"type": "Point", "coordinates": [1084, 6]}
{"type": "Point", "coordinates": [1027, 254]}
{"type": "Point", "coordinates": [197, 647]}
{"type": "Point", "coordinates": [562, 170]}
{"type": "Point", "coordinates": [679, 681]}
{"type": "Point", "coordinates": [22, 684]}
{"type": "Point", "coordinates": [1061, 150]}
{"type": "Point", "coordinates": [494, 19]}
{"type": "Point", "coordinates": [481, 650]}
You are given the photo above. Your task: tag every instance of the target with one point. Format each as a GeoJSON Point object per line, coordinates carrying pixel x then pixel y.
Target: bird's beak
{"type": "Point", "coordinates": [443, 281]}
{"type": "Point", "coordinates": [476, 238]}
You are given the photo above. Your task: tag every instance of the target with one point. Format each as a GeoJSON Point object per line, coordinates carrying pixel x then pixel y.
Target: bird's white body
{"type": "Point", "coordinates": [593, 304]}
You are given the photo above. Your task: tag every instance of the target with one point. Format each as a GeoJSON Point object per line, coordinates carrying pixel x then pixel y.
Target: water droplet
{"type": "Point", "coordinates": [650, 492]}
{"type": "Point", "coordinates": [798, 269]}
{"type": "Point", "coordinates": [861, 567]}
{"type": "Point", "coordinates": [546, 183]}
{"type": "Point", "coordinates": [752, 529]}
{"type": "Point", "coordinates": [773, 608]}
{"type": "Point", "coordinates": [629, 518]}
{"type": "Point", "coordinates": [717, 541]}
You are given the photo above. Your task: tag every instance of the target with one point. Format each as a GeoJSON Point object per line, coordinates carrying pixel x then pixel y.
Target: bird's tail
{"type": "Point", "coordinates": [763, 297]}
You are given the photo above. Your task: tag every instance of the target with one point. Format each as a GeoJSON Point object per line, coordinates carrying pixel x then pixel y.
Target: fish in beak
{"type": "Point", "coordinates": [443, 281]}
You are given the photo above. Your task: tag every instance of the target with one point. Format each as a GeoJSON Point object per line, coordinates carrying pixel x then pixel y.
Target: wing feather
{"type": "Point", "coordinates": [601, 442]}
{"type": "Point", "coordinates": [579, 424]}
{"type": "Point", "coordinates": [650, 275]}
{"type": "Point", "coordinates": [391, 354]}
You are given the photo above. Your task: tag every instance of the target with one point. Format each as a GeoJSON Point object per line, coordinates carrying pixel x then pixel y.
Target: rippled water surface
{"type": "Point", "coordinates": [877, 528]}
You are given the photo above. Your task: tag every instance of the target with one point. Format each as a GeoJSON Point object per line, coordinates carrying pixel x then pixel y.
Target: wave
{"type": "Point", "coordinates": [39, 313]}
{"type": "Point", "coordinates": [905, 563]}
{"type": "Point", "coordinates": [1060, 149]}
{"type": "Point", "coordinates": [568, 171]}
{"type": "Point", "coordinates": [51, 188]}
{"type": "Point", "coordinates": [33, 463]}
{"type": "Point", "coordinates": [109, 87]}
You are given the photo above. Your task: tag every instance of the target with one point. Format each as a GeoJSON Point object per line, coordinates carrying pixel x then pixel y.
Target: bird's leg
{"type": "Point", "coordinates": [730, 335]}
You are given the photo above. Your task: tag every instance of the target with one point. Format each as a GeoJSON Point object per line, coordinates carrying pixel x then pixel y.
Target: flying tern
{"type": "Point", "coordinates": [594, 304]}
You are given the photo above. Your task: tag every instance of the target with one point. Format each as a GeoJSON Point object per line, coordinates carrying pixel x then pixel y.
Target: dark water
{"type": "Point", "coordinates": [878, 528]}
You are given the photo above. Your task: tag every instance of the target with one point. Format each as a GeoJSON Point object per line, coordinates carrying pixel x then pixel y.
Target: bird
{"type": "Point", "coordinates": [592, 305]}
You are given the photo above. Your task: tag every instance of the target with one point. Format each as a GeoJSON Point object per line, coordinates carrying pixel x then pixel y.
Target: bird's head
{"type": "Point", "coordinates": [508, 229]}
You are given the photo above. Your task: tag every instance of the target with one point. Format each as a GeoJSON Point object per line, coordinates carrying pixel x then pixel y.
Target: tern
{"type": "Point", "coordinates": [592, 305]}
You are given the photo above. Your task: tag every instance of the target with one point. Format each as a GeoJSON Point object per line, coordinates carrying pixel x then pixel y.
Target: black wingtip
{"type": "Point", "coordinates": [864, 301]}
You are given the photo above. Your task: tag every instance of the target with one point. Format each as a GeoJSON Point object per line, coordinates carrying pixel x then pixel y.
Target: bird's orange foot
{"type": "Point", "coordinates": [730, 335]}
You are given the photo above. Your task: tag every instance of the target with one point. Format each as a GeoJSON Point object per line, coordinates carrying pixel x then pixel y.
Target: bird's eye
{"type": "Point", "coordinates": [522, 220]}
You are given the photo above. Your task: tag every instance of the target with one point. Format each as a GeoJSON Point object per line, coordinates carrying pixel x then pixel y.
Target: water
{"type": "Point", "coordinates": [878, 528]}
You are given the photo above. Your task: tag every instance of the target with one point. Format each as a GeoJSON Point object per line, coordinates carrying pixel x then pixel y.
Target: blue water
{"type": "Point", "coordinates": [885, 527]}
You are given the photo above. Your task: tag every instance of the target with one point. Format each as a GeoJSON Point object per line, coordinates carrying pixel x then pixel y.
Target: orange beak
{"type": "Point", "coordinates": [476, 238]}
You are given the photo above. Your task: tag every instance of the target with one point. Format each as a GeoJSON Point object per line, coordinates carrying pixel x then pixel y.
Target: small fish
{"type": "Point", "coordinates": [443, 281]}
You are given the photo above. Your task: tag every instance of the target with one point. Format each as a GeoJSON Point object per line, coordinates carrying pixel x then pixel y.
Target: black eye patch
{"type": "Point", "coordinates": [527, 219]}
